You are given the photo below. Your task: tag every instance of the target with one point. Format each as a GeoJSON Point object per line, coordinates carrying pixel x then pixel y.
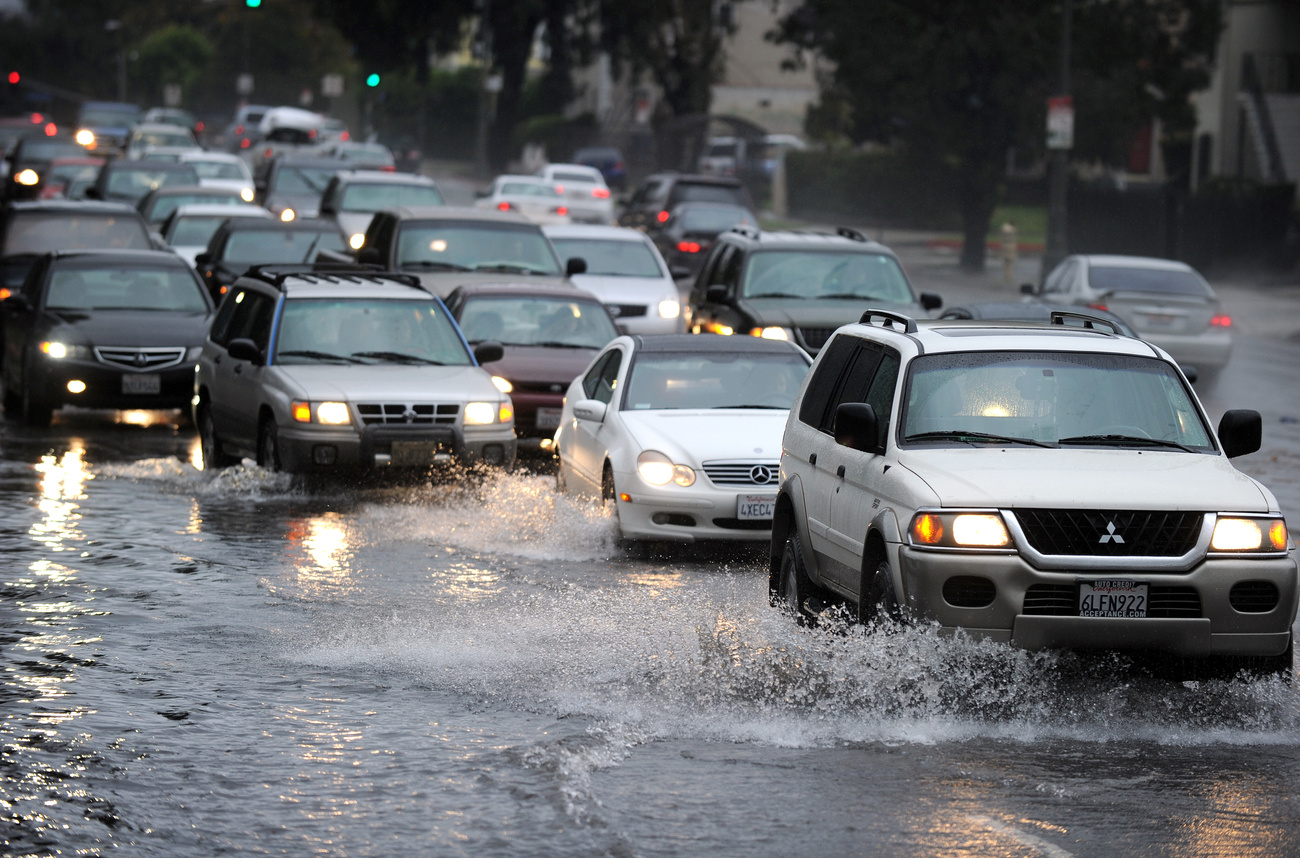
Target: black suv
{"type": "Point", "coordinates": [651, 204]}
{"type": "Point", "coordinates": [242, 242]}
{"type": "Point", "coordinates": [797, 286]}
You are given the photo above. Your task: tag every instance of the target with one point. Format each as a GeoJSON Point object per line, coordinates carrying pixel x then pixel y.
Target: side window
{"type": "Point", "coordinates": [598, 383]}
{"type": "Point", "coordinates": [729, 270]}
{"type": "Point", "coordinates": [854, 383]}
{"type": "Point", "coordinates": [880, 395]}
{"type": "Point", "coordinates": [220, 331]}
{"type": "Point", "coordinates": [251, 319]}
{"type": "Point", "coordinates": [826, 378]}
{"type": "Point", "coordinates": [706, 271]}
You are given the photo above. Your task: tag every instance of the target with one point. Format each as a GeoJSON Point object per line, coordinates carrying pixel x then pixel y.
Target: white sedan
{"type": "Point", "coordinates": [584, 189]}
{"type": "Point", "coordinates": [536, 199]}
{"type": "Point", "coordinates": [626, 272]}
{"type": "Point", "coordinates": [682, 433]}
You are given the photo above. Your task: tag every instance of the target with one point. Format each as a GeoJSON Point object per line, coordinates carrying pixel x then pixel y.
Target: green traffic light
{"type": "Point", "coordinates": [372, 79]}
{"type": "Point", "coordinates": [252, 4]}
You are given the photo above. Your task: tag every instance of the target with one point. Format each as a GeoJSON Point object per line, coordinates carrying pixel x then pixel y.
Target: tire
{"type": "Point", "coordinates": [793, 586]}
{"type": "Point", "coordinates": [607, 490]}
{"type": "Point", "coordinates": [213, 457]}
{"type": "Point", "coordinates": [877, 601]}
{"type": "Point", "coordinates": [37, 411]}
{"type": "Point", "coordinates": [268, 445]}
{"type": "Point", "coordinates": [561, 484]}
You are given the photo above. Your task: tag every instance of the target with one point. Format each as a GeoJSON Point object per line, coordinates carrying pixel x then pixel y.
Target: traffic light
{"type": "Point", "coordinates": [372, 79]}
{"type": "Point", "coordinates": [252, 4]}
{"type": "Point", "coordinates": [14, 77]}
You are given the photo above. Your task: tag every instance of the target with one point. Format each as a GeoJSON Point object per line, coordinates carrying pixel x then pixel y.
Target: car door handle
{"type": "Point", "coordinates": [239, 370]}
{"type": "Point", "coordinates": [839, 472]}
{"type": "Point", "coordinates": [812, 459]}
{"type": "Point", "coordinates": [216, 358]}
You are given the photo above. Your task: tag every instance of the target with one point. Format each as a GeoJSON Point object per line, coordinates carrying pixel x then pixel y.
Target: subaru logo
{"type": "Point", "coordinates": [761, 474]}
{"type": "Point", "coordinates": [408, 415]}
{"type": "Point", "coordinates": [1110, 535]}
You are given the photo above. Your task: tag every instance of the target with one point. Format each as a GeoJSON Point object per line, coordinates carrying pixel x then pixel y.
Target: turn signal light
{"type": "Point", "coordinates": [503, 206]}
{"type": "Point", "coordinates": [927, 529]}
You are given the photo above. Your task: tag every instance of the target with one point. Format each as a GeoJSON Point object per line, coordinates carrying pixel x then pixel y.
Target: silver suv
{"type": "Point", "coordinates": [1048, 485]}
{"type": "Point", "coordinates": [336, 372]}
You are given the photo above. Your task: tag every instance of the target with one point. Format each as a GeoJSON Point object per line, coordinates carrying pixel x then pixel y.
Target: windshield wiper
{"type": "Point", "coordinates": [507, 268]}
{"type": "Point", "coordinates": [398, 356]}
{"type": "Point", "coordinates": [557, 344]}
{"type": "Point", "coordinates": [843, 296]}
{"type": "Point", "coordinates": [316, 355]}
{"type": "Point", "coordinates": [432, 264]}
{"type": "Point", "coordinates": [772, 407]}
{"type": "Point", "coordinates": [775, 295]}
{"type": "Point", "coordinates": [974, 437]}
{"type": "Point", "coordinates": [1126, 441]}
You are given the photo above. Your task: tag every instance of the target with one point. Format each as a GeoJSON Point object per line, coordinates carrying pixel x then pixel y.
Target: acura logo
{"type": "Point", "coordinates": [762, 474]}
{"type": "Point", "coordinates": [141, 359]}
{"type": "Point", "coordinates": [1110, 535]}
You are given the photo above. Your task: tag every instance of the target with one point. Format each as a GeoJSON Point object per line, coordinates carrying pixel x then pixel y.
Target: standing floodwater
{"type": "Point", "coordinates": [198, 663]}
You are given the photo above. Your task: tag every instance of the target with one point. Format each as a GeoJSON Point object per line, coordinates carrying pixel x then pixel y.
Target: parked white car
{"type": "Point", "coordinates": [681, 433]}
{"type": "Point", "coordinates": [536, 199]}
{"type": "Point", "coordinates": [1047, 485]}
{"type": "Point", "coordinates": [626, 272]}
{"type": "Point", "coordinates": [221, 170]}
{"type": "Point", "coordinates": [584, 191]}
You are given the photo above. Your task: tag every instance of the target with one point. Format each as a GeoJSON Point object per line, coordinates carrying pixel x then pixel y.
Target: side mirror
{"type": "Point", "coordinates": [589, 409]}
{"type": "Point", "coordinates": [575, 265]}
{"type": "Point", "coordinates": [716, 294]}
{"type": "Point", "coordinates": [1028, 289]}
{"type": "Point", "coordinates": [244, 349]}
{"type": "Point", "coordinates": [370, 256]}
{"type": "Point", "coordinates": [92, 193]}
{"type": "Point", "coordinates": [1240, 432]}
{"type": "Point", "coordinates": [489, 351]}
{"type": "Point", "coordinates": [857, 428]}
{"type": "Point", "coordinates": [16, 302]}
{"type": "Point", "coordinates": [202, 259]}
{"type": "Point", "coordinates": [931, 301]}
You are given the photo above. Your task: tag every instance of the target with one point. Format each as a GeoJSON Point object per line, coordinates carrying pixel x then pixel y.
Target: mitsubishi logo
{"type": "Point", "coordinates": [1110, 535]}
{"type": "Point", "coordinates": [760, 474]}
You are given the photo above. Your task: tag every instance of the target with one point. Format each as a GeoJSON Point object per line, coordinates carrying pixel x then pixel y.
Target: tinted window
{"type": "Point", "coordinates": [713, 219]}
{"type": "Point", "coordinates": [34, 149]}
{"type": "Point", "coordinates": [611, 258]}
{"type": "Point", "coordinates": [584, 178]}
{"type": "Point", "coordinates": [160, 137]}
{"type": "Point", "coordinates": [195, 230]}
{"type": "Point", "coordinates": [161, 207]}
{"type": "Point", "coordinates": [526, 321]}
{"type": "Point", "coordinates": [124, 288]}
{"type": "Point", "coordinates": [302, 180]}
{"type": "Point", "coordinates": [374, 331]}
{"type": "Point", "coordinates": [42, 233]}
{"type": "Point", "coordinates": [685, 193]}
{"type": "Point", "coordinates": [262, 247]}
{"type": "Point", "coordinates": [599, 381]}
{"type": "Point", "coordinates": [1116, 279]}
{"type": "Point", "coordinates": [124, 115]}
{"type": "Point", "coordinates": [220, 330]}
{"type": "Point", "coordinates": [713, 380]}
{"type": "Point", "coordinates": [826, 274]}
{"type": "Point", "coordinates": [135, 183]}
{"type": "Point", "coordinates": [832, 362]}
{"type": "Point", "coordinates": [372, 198]}
{"type": "Point", "coordinates": [251, 319]}
{"type": "Point", "coordinates": [459, 244]}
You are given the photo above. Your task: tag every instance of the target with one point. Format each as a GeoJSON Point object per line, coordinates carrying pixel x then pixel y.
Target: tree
{"type": "Point", "coordinates": [173, 55]}
{"type": "Point", "coordinates": [958, 84]}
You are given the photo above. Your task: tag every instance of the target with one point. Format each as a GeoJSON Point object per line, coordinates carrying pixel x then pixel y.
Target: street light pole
{"type": "Point", "coordinates": [1059, 165]}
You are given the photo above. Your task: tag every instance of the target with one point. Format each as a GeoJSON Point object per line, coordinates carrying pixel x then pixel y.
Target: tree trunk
{"type": "Point", "coordinates": [976, 198]}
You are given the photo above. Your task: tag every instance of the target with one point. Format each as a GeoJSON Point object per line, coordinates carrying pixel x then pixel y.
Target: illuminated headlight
{"type": "Point", "coordinates": [59, 351]}
{"type": "Point", "coordinates": [85, 137]}
{"type": "Point", "coordinates": [1249, 534]}
{"type": "Point", "coordinates": [287, 215]}
{"type": "Point", "coordinates": [333, 413]}
{"type": "Point", "coordinates": [246, 194]}
{"type": "Point", "coordinates": [480, 413]}
{"type": "Point", "coordinates": [718, 328]}
{"type": "Point", "coordinates": [669, 309]}
{"type": "Point", "coordinates": [502, 384]}
{"type": "Point", "coordinates": [959, 530]}
{"type": "Point", "coordinates": [771, 333]}
{"type": "Point", "coordinates": [28, 177]}
{"type": "Point", "coordinates": [659, 470]}
{"type": "Point", "coordinates": [356, 240]}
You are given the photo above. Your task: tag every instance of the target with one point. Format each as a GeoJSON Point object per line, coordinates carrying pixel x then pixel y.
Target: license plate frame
{"type": "Point", "coordinates": [548, 418]}
{"type": "Point", "coordinates": [141, 384]}
{"type": "Point", "coordinates": [755, 507]}
{"type": "Point", "coordinates": [1114, 598]}
{"type": "Point", "coordinates": [413, 453]}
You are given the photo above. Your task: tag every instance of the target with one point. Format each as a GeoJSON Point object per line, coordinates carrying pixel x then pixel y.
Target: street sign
{"type": "Point", "coordinates": [244, 84]}
{"type": "Point", "coordinates": [331, 85]}
{"type": "Point", "coordinates": [1060, 122]}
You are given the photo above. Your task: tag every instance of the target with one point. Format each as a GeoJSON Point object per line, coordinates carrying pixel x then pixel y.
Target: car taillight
{"type": "Point", "coordinates": [389, 168]}
{"type": "Point", "coordinates": [239, 129]}
{"type": "Point", "coordinates": [663, 217]}
{"type": "Point", "coordinates": [562, 210]}
{"type": "Point", "coordinates": [199, 126]}
{"type": "Point", "coordinates": [269, 152]}
{"type": "Point", "coordinates": [51, 129]}
{"type": "Point", "coordinates": [559, 189]}
{"type": "Point", "coordinates": [345, 136]}
{"type": "Point", "coordinates": [245, 143]}
{"type": "Point", "coordinates": [600, 193]}
{"type": "Point", "coordinates": [688, 246]}
{"type": "Point", "coordinates": [1101, 307]}
{"type": "Point", "coordinates": [4, 293]}
{"type": "Point", "coordinates": [1223, 320]}
{"type": "Point", "coordinates": [503, 206]}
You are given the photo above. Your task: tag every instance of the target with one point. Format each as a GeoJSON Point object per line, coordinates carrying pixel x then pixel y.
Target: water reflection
{"type": "Point", "coordinates": [62, 485]}
{"type": "Point", "coordinates": [323, 554]}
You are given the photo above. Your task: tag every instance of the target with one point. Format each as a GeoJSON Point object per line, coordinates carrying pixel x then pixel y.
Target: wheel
{"type": "Point", "coordinates": [561, 484]}
{"type": "Point", "coordinates": [792, 586]}
{"type": "Point", "coordinates": [607, 492]}
{"type": "Point", "coordinates": [268, 445]}
{"type": "Point", "coordinates": [877, 600]}
{"type": "Point", "coordinates": [37, 410]}
{"type": "Point", "coordinates": [213, 457]}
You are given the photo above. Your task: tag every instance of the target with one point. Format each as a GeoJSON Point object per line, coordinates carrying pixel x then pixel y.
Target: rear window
{"type": "Point", "coordinates": [302, 180]}
{"type": "Point", "coordinates": [537, 320]}
{"type": "Point", "coordinates": [195, 230]}
{"type": "Point", "coordinates": [42, 233]}
{"type": "Point", "coordinates": [163, 206]}
{"type": "Point", "coordinates": [589, 178]}
{"type": "Point", "coordinates": [1118, 279]}
{"type": "Point", "coordinates": [372, 198]}
{"type": "Point", "coordinates": [714, 220]}
{"type": "Point", "coordinates": [136, 183]}
{"type": "Point", "coordinates": [687, 193]}
{"type": "Point", "coordinates": [266, 247]}
{"type": "Point", "coordinates": [47, 150]}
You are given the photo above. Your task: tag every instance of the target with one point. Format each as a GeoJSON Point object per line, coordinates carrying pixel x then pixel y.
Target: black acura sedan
{"type": "Point", "coordinates": [103, 329]}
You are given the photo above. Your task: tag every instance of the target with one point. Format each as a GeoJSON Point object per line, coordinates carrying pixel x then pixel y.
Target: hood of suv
{"type": "Point", "coordinates": [1078, 478]}
{"type": "Point", "coordinates": [390, 382]}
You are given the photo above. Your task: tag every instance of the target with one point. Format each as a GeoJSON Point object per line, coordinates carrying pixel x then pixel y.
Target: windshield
{"type": "Point", "coordinates": [685, 192]}
{"type": "Point", "coordinates": [302, 180]}
{"type": "Point", "coordinates": [826, 274]}
{"type": "Point", "coordinates": [134, 183]}
{"type": "Point", "coordinates": [1117, 279]}
{"type": "Point", "coordinates": [124, 115]}
{"type": "Point", "coordinates": [268, 246]}
{"type": "Point", "coordinates": [163, 206]}
{"type": "Point", "coordinates": [371, 198]}
{"type": "Point", "coordinates": [535, 320]}
{"type": "Point", "coordinates": [125, 288]}
{"type": "Point", "coordinates": [359, 330]}
{"type": "Point", "coordinates": [219, 170]}
{"type": "Point", "coordinates": [42, 233]}
{"type": "Point", "coordinates": [714, 380]}
{"type": "Point", "coordinates": [1049, 397]}
{"type": "Point", "coordinates": [611, 258]}
{"type": "Point", "coordinates": [161, 137]}
{"type": "Point", "coordinates": [194, 230]}
{"type": "Point", "coordinates": [469, 245]}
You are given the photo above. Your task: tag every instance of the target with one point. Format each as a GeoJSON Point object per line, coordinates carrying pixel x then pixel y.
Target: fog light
{"type": "Point", "coordinates": [76, 386]}
{"type": "Point", "coordinates": [324, 454]}
{"type": "Point", "coordinates": [287, 215]}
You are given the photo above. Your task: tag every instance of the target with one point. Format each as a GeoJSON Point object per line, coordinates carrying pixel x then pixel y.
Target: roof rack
{"type": "Point", "coordinates": [277, 273]}
{"type": "Point", "coordinates": [891, 319]}
{"type": "Point", "coordinates": [1090, 322]}
{"type": "Point", "coordinates": [850, 232]}
{"type": "Point", "coordinates": [747, 230]}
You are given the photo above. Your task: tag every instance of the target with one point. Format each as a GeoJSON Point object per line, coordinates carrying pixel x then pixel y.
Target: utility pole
{"type": "Point", "coordinates": [1060, 139]}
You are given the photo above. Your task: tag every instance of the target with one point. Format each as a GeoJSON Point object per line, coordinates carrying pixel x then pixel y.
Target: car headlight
{"type": "Point", "coordinates": [28, 177]}
{"type": "Point", "coordinates": [959, 530]}
{"type": "Point", "coordinates": [357, 240]}
{"type": "Point", "coordinates": [85, 137]}
{"type": "Point", "coordinates": [193, 353]}
{"type": "Point", "coordinates": [659, 470]}
{"type": "Point", "coordinates": [246, 194]}
{"type": "Point", "coordinates": [59, 350]}
{"type": "Point", "coordinates": [502, 384]}
{"type": "Point", "coordinates": [327, 413]}
{"type": "Point", "coordinates": [485, 413]}
{"type": "Point", "coordinates": [287, 215]}
{"type": "Point", "coordinates": [1249, 534]}
{"type": "Point", "coordinates": [771, 333]}
{"type": "Point", "coordinates": [669, 309]}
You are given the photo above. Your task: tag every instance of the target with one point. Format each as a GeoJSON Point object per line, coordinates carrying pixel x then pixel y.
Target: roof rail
{"type": "Point", "coordinates": [850, 232]}
{"type": "Point", "coordinates": [891, 318]}
{"type": "Point", "coordinates": [747, 230]}
{"type": "Point", "coordinates": [277, 273]}
{"type": "Point", "coordinates": [1088, 321]}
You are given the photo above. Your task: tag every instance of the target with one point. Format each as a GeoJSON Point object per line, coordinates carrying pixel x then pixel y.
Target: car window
{"type": "Point", "coordinates": [251, 319]}
{"type": "Point", "coordinates": [194, 230]}
{"type": "Point", "coordinates": [713, 219]}
{"type": "Point", "coordinates": [266, 246]}
{"type": "Point", "coordinates": [728, 271]}
{"type": "Point", "coordinates": [528, 189]}
{"type": "Point", "coordinates": [138, 182]}
{"type": "Point", "coordinates": [371, 198]}
{"type": "Point", "coordinates": [826, 274]}
{"type": "Point", "coordinates": [218, 170]}
{"type": "Point", "coordinates": [686, 192]}
{"type": "Point", "coordinates": [671, 380]}
{"type": "Point", "coordinates": [1048, 397]}
{"type": "Point", "coordinates": [535, 320]}
{"type": "Point", "coordinates": [581, 178]}
{"type": "Point", "coordinates": [42, 233]}
{"type": "Point", "coordinates": [469, 244]}
{"type": "Point", "coordinates": [1105, 278]}
{"type": "Point", "coordinates": [125, 287]}
{"type": "Point", "coordinates": [372, 330]}
{"type": "Point", "coordinates": [219, 332]}
{"type": "Point", "coordinates": [301, 180]}
{"type": "Point", "coordinates": [1060, 277]}
{"type": "Point", "coordinates": [832, 362]}
{"type": "Point", "coordinates": [611, 258]}
{"type": "Point", "coordinates": [161, 207]}
{"type": "Point", "coordinates": [600, 380]}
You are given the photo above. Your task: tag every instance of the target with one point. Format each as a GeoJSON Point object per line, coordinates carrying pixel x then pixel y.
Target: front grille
{"type": "Point", "coordinates": [553, 387]}
{"type": "Point", "coordinates": [1062, 600]}
{"type": "Point", "coordinates": [1253, 597]}
{"type": "Point", "coordinates": [754, 473]}
{"type": "Point", "coordinates": [626, 311]}
{"type": "Point", "coordinates": [140, 359]}
{"type": "Point", "coordinates": [416, 414]}
{"type": "Point", "coordinates": [969, 591]}
{"type": "Point", "coordinates": [1106, 533]}
{"type": "Point", "coordinates": [813, 338]}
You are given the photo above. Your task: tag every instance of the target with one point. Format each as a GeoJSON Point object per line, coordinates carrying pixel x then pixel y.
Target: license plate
{"type": "Point", "coordinates": [1112, 598]}
{"type": "Point", "coordinates": [755, 506]}
{"type": "Point", "coordinates": [1159, 320]}
{"type": "Point", "coordinates": [144, 383]}
{"type": "Point", "coordinates": [413, 452]}
{"type": "Point", "coordinates": [548, 418]}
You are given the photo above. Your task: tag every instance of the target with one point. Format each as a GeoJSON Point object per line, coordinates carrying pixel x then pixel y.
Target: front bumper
{"type": "Point", "coordinates": [1212, 627]}
{"type": "Point", "coordinates": [106, 385]}
{"type": "Point", "coordinates": [329, 450]}
{"type": "Point", "coordinates": [701, 512]}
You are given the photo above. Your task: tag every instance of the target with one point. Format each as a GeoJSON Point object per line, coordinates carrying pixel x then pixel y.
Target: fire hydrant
{"type": "Point", "coordinates": [1010, 248]}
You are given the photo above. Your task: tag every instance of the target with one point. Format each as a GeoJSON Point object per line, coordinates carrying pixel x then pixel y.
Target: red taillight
{"type": "Point", "coordinates": [268, 153]}
{"type": "Point", "coordinates": [1223, 320]}
{"type": "Point", "coordinates": [37, 119]}
{"type": "Point", "coordinates": [239, 129]}
{"type": "Point", "coordinates": [311, 135]}
{"type": "Point", "coordinates": [562, 210]}
{"type": "Point", "coordinates": [688, 246]}
{"type": "Point", "coordinates": [559, 189]}
{"type": "Point", "coordinates": [51, 129]}
{"type": "Point", "coordinates": [389, 168]}
{"type": "Point", "coordinates": [600, 193]}
{"type": "Point", "coordinates": [663, 217]}
{"type": "Point", "coordinates": [345, 136]}
{"type": "Point", "coordinates": [503, 206]}
{"type": "Point", "coordinates": [245, 143]}
{"type": "Point", "coordinates": [199, 126]}
{"type": "Point", "coordinates": [1101, 307]}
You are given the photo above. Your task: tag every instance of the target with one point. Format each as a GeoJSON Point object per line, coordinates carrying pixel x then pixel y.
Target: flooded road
{"type": "Point", "coordinates": [198, 663]}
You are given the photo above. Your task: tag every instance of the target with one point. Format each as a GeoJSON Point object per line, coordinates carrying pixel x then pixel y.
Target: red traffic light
{"type": "Point", "coordinates": [14, 77]}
